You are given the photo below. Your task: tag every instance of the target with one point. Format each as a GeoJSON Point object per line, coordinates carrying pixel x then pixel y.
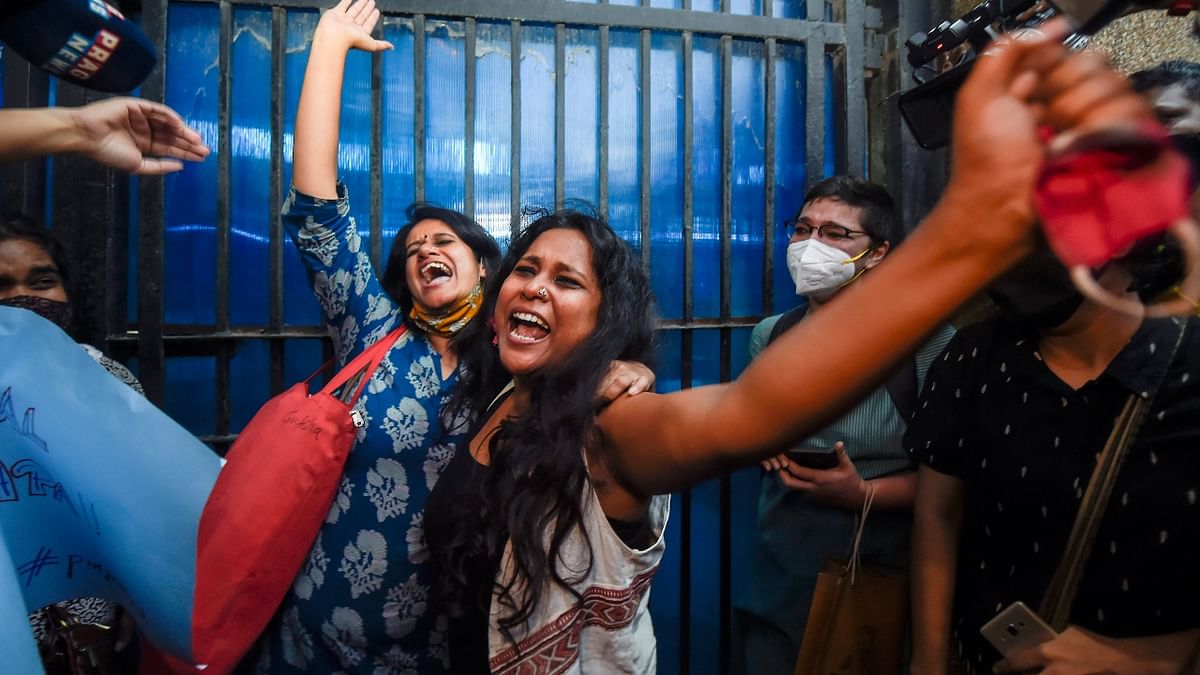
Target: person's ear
{"type": "Point", "coordinates": [878, 254]}
{"type": "Point", "coordinates": [482, 270]}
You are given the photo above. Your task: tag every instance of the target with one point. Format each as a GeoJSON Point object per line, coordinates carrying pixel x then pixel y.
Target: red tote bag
{"type": "Point", "coordinates": [267, 505]}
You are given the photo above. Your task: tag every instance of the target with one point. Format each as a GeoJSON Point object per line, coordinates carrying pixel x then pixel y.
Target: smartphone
{"type": "Point", "coordinates": [1017, 627]}
{"type": "Point", "coordinates": [814, 458]}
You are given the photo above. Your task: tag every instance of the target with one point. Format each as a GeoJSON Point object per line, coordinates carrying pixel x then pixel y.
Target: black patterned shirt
{"type": "Point", "coordinates": [1025, 443]}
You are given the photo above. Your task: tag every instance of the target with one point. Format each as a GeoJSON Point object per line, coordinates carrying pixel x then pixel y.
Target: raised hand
{"type": "Point", "coordinates": [135, 135]}
{"type": "Point", "coordinates": [352, 24]}
{"type": "Point", "coordinates": [1024, 85]}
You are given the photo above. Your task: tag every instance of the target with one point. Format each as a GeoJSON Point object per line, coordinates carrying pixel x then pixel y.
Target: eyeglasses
{"type": "Point", "coordinates": [828, 231]}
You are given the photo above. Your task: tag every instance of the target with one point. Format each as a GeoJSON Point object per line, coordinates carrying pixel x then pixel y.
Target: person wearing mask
{"type": "Point", "coordinates": [1012, 419]}
{"type": "Point", "coordinates": [34, 276]}
{"type": "Point", "coordinates": [845, 228]}
{"type": "Point", "coordinates": [551, 529]}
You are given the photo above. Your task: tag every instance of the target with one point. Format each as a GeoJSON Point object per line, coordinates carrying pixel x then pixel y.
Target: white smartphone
{"type": "Point", "coordinates": [1017, 627]}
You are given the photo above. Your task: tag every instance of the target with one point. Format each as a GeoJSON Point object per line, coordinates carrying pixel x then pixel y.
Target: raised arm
{"type": "Point", "coordinates": [357, 310]}
{"type": "Point", "coordinates": [982, 225]}
{"type": "Point", "coordinates": [127, 134]}
{"type": "Point", "coordinates": [341, 28]}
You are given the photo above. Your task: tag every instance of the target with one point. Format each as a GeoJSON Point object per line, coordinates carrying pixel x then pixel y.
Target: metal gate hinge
{"type": "Point", "coordinates": [874, 40]}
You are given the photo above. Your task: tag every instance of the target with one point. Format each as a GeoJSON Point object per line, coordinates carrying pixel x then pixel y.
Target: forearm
{"type": "Point", "coordinates": [1168, 654]}
{"type": "Point", "coordinates": [894, 493]}
{"type": "Point", "coordinates": [936, 526]}
{"type": "Point", "coordinates": [314, 158]}
{"type": "Point", "coordinates": [37, 132]}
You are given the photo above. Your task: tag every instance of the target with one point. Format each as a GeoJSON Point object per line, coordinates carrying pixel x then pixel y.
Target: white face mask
{"type": "Point", "coordinates": [820, 269]}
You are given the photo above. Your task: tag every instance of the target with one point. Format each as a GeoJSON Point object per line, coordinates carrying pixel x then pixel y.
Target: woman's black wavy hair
{"type": "Point", "coordinates": [533, 493]}
{"type": "Point", "coordinates": [471, 232]}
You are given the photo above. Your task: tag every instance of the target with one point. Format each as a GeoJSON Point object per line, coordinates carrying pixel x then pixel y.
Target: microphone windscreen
{"type": "Point", "coordinates": [87, 42]}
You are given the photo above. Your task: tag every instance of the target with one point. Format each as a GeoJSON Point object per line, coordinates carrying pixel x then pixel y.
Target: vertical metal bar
{"type": "Point", "coordinates": [24, 183]}
{"type": "Point", "coordinates": [80, 197]}
{"type": "Point", "coordinates": [856, 91]}
{"type": "Point", "coordinates": [418, 23]}
{"type": "Point", "coordinates": [116, 256]}
{"type": "Point", "coordinates": [469, 122]}
{"type": "Point", "coordinates": [224, 354]}
{"type": "Point", "coordinates": [150, 233]}
{"type": "Point", "coordinates": [224, 168]}
{"type": "Point", "coordinates": [769, 231]}
{"type": "Point", "coordinates": [603, 114]}
{"type": "Point", "coordinates": [688, 177]}
{"type": "Point", "coordinates": [224, 209]}
{"type": "Point", "coordinates": [560, 113]}
{"type": "Point", "coordinates": [685, 341]}
{"type": "Point", "coordinates": [375, 223]}
{"type": "Point", "coordinates": [814, 100]}
{"type": "Point", "coordinates": [275, 247]}
{"type": "Point", "coordinates": [724, 591]}
{"type": "Point", "coordinates": [726, 175]}
{"type": "Point", "coordinates": [644, 146]}
{"type": "Point", "coordinates": [515, 136]}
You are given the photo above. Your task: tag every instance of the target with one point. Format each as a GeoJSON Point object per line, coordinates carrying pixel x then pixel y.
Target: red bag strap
{"type": "Point", "coordinates": [363, 366]}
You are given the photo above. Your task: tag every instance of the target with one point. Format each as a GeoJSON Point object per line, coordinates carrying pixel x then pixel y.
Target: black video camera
{"type": "Point", "coordinates": [942, 57]}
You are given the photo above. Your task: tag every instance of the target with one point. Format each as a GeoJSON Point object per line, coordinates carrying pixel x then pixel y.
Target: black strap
{"type": "Point", "coordinates": [789, 319]}
{"type": "Point", "coordinates": [902, 387]}
{"type": "Point", "coordinates": [901, 384]}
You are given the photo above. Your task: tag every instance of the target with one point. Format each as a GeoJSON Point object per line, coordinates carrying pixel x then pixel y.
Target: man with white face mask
{"type": "Point", "coordinates": [844, 230]}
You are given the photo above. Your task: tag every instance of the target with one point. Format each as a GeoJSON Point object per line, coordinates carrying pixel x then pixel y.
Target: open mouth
{"type": "Point", "coordinates": [435, 272]}
{"type": "Point", "coordinates": [527, 327]}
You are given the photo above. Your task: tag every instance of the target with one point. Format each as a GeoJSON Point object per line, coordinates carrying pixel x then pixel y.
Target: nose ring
{"type": "Point", "coordinates": [543, 293]}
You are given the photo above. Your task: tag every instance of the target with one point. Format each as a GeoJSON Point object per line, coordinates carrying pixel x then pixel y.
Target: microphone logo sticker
{"type": "Point", "coordinates": [82, 57]}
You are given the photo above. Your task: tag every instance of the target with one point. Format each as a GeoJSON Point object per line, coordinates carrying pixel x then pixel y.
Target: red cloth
{"type": "Point", "coordinates": [1096, 201]}
{"type": "Point", "coordinates": [266, 508]}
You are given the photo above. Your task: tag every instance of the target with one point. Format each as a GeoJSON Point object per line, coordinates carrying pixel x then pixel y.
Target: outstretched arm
{"type": "Point", "coordinates": [127, 134]}
{"type": "Point", "coordinates": [343, 27]}
{"type": "Point", "coordinates": [982, 225]}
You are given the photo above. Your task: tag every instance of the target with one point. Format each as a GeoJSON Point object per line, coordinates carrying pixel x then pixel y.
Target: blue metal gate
{"type": "Point", "coordinates": [694, 126]}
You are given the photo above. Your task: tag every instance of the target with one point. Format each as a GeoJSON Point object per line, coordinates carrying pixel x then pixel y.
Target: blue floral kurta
{"type": "Point", "coordinates": [364, 602]}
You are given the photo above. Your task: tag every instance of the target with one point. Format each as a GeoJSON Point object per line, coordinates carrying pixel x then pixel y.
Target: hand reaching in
{"type": "Point", "coordinates": [135, 135]}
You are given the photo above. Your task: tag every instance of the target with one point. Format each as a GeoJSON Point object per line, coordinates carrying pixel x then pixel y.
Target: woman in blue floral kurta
{"type": "Point", "coordinates": [363, 601]}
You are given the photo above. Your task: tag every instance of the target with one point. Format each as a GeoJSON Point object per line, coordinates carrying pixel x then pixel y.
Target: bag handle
{"type": "Point", "coordinates": [855, 562]}
{"type": "Point", "coordinates": [1064, 585]}
{"type": "Point", "coordinates": [358, 372]}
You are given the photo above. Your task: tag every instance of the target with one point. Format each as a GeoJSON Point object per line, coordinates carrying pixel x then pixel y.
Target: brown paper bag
{"type": "Point", "coordinates": [858, 622]}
